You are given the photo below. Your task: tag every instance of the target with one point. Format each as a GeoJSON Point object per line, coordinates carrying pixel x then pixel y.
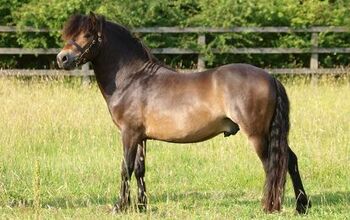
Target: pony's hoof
{"type": "Point", "coordinates": [303, 206]}
{"type": "Point", "coordinates": [119, 207]}
{"type": "Point", "coordinates": [142, 207]}
{"type": "Point", "coordinates": [142, 204]}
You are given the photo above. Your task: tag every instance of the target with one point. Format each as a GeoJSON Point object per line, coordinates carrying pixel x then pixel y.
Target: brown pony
{"type": "Point", "coordinates": [148, 100]}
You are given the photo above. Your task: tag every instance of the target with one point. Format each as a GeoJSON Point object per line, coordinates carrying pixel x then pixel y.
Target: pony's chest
{"type": "Point", "coordinates": [126, 114]}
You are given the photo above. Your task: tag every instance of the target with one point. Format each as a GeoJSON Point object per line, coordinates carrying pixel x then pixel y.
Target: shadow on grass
{"type": "Point", "coordinates": [226, 200]}
{"type": "Point", "coordinates": [62, 202]}
{"type": "Point", "coordinates": [324, 199]}
{"type": "Point", "coordinates": [221, 199]}
{"type": "Point", "coordinates": [187, 200]}
{"type": "Point", "coordinates": [331, 198]}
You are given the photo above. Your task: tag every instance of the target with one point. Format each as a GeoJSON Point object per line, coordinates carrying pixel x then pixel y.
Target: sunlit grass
{"type": "Point", "coordinates": [67, 129]}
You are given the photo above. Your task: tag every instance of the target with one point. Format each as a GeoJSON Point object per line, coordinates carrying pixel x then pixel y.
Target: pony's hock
{"type": "Point", "coordinates": [148, 100]}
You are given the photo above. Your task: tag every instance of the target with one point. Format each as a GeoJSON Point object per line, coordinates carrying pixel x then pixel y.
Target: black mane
{"type": "Point", "coordinates": [83, 23]}
{"type": "Point", "coordinates": [129, 36]}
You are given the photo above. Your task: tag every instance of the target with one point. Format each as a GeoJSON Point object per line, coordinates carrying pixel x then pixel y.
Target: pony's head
{"type": "Point", "coordinates": [83, 37]}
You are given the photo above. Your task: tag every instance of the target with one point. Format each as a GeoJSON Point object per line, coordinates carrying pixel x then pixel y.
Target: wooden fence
{"type": "Point", "coordinates": [314, 50]}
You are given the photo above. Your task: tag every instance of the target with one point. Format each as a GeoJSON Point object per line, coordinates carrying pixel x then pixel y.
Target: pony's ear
{"type": "Point", "coordinates": [97, 23]}
{"type": "Point", "coordinates": [93, 17]}
{"type": "Point", "coordinates": [92, 14]}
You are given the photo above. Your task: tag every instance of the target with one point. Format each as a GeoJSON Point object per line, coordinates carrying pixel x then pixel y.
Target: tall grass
{"type": "Point", "coordinates": [65, 129]}
{"type": "Point", "coordinates": [36, 190]}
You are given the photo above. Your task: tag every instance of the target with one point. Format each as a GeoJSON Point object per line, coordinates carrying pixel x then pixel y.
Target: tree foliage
{"type": "Point", "coordinates": [187, 13]}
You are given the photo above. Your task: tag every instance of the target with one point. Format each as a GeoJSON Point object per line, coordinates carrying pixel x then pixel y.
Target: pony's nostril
{"type": "Point", "coordinates": [65, 59]}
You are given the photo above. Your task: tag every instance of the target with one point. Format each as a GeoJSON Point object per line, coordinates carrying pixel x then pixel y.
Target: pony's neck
{"type": "Point", "coordinates": [118, 59]}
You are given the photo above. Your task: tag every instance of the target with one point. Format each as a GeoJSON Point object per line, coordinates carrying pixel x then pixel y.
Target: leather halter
{"type": "Point", "coordinates": [86, 49]}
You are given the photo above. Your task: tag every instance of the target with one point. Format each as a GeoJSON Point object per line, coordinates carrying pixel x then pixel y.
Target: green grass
{"type": "Point", "coordinates": [61, 133]}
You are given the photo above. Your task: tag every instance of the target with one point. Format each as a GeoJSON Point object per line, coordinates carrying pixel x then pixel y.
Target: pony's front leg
{"type": "Point", "coordinates": [130, 142]}
{"type": "Point", "coordinates": [140, 174]}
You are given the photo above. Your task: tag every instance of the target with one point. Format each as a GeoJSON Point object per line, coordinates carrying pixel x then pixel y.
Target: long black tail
{"type": "Point", "coordinates": [277, 152]}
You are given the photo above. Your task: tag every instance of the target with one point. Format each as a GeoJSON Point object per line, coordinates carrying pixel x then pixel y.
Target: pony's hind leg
{"type": "Point", "coordinates": [140, 174]}
{"type": "Point", "coordinates": [261, 147]}
{"type": "Point", "coordinates": [302, 200]}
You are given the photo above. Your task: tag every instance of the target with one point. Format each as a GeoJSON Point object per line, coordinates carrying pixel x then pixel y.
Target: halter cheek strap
{"type": "Point", "coordinates": [72, 42]}
{"type": "Point", "coordinates": [85, 50]}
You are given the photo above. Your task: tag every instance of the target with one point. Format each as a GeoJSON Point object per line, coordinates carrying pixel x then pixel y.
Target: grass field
{"type": "Point", "coordinates": [60, 155]}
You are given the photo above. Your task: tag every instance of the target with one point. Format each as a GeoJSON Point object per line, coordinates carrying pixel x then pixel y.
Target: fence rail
{"type": "Point", "coordinates": [51, 51]}
{"type": "Point", "coordinates": [314, 50]}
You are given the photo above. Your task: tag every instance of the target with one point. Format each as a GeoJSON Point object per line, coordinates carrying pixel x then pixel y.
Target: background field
{"type": "Point", "coordinates": [65, 130]}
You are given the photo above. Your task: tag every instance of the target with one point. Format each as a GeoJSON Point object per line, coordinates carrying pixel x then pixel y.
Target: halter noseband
{"type": "Point", "coordinates": [86, 49]}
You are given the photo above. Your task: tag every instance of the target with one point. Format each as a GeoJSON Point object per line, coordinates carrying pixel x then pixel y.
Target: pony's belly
{"type": "Point", "coordinates": [184, 136]}
{"type": "Point", "coordinates": [190, 132]}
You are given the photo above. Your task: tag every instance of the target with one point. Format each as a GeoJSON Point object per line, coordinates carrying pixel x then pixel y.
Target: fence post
{"type": "Point", "coordinates": [201, 62]}
{"type": "Point", "coordinates": [85, 71]}
{"type": "Point", "coordinates": [314, 57]}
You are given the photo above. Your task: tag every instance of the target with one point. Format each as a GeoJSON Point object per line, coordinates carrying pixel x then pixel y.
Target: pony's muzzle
{"type": "Point", "coordinates": [65, 60]}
